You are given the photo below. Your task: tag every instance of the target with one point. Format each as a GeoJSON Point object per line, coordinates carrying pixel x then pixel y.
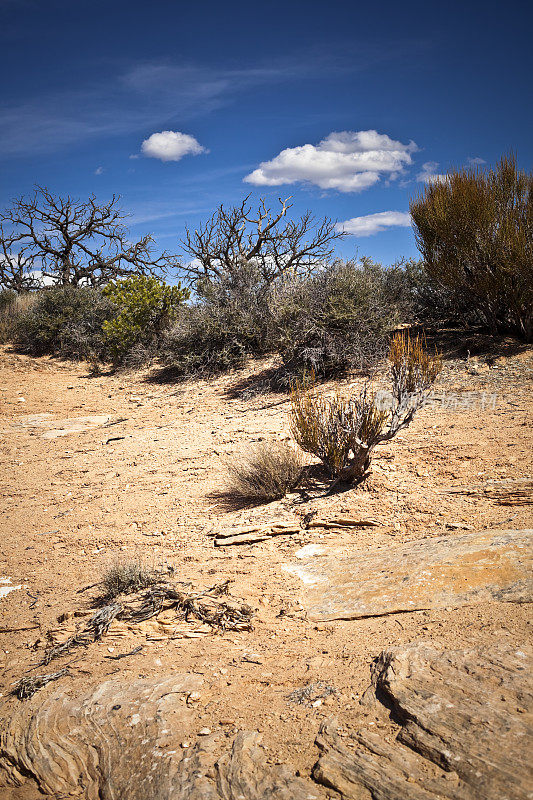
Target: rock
{"type": "Point", "coordinates": [434, 572]}
{"type": "Point", "coordinates": [127, 741]}
{"type": "Point", "coordinates": [458, 739]}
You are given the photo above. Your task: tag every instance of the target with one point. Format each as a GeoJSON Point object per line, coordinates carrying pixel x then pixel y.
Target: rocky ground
{"type": "Point", "coordinates": [100, 468]}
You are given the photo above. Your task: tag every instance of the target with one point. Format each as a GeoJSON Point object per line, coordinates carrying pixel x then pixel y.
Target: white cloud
{"type": "Point", "coordinates": [99, 171]}
{"type": "Point", "coordinates": [349, 161]}
{"type": "Point", "coordinates": [476, 161]}
{"type": "Point", "coordinates": [374, 223]}
{"type": "Point", "coordinates": [171, 146]}
{"type": "Point", "coordinates": [429, 173]}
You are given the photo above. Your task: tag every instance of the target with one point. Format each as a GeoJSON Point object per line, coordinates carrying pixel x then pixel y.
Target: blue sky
{"type": "Point", "coordinates": [276, 99]}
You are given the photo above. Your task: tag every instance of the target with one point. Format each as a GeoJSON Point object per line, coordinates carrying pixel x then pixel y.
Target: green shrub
{"type": "Point", "coordinates": [145, 307]}
{"type": "Point", "coordinates": [64, 321]}
{"type": "Point", "coordinates": [338, 318]}
{"type": "Point", "coordinates": [267, 472]}
{"type": "Point", "coordinates": [475, 233]}
{"type": "Point", "coordinates": [343, 431]}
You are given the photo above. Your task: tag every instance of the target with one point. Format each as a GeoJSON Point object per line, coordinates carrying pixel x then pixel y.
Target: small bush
{"type": "Point", "coordinates": [266, 473]}
{"type": "Point", "coordinates": [64, 321]}
{"type": "Point", "coordinates": [337, 319]}
{"type": "Point", "coordinates": [145, 307]}
{"type": "Point", "coordinates": [126, 577]}
{"type": "Point", "coordinates": [205, 340]}
{"type": "Point", "coordinates": [12, 307]}
{"type": "Point", "coordinates": [343, 431]}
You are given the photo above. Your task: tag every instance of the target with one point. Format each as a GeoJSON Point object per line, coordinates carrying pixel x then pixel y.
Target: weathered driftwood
{"type": "Point", "coordinates": [465, 732]}
{"type": "Point", "coordinates": [124, 741]}
{"type": "Point", "coordinates": [259, 533]}
{"type": "Point", "coordinates": [251, 534]}
{"type": "Point", "coordinates": [507, 492]}
{"type": "Point", "coordinates": [434, 572]}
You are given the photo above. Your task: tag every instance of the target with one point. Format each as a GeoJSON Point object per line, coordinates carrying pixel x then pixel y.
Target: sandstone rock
{"type": "Point", "coordinates": [460, 738]}
{"type": "Point", "coordinates": [433, 572]}
{"type": "Point", "coordinates": [127, 741]}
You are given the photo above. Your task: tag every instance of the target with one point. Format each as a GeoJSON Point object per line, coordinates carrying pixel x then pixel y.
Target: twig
{"type": "Point", "coordinates": [125, 655]}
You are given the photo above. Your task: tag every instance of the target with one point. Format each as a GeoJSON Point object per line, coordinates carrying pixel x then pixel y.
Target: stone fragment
{"type": "Point", "coordinates": [459, 739]}
{"type": "Point", "coordinates": [434, 572]}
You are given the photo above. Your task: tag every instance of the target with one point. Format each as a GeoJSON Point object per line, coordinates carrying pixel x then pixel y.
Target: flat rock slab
{"type": "Point", "coordinates": [466, 729]}
{"type": "Point", "coordinates": [124, 740]}
{"type": "Point", "coordinates": [61, 427]}
{"type": "Point", "coordinates": [435, 572]}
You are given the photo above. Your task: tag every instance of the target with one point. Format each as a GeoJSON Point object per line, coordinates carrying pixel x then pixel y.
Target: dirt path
{"type": "Point", "coordinates": [140, 479]}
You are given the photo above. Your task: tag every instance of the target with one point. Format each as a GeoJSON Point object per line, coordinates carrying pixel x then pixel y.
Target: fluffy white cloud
{"type": "Point", "coordinates": [374, 223]}
{"type": "Point", "coordinates": [171, 146]}
{"type": "Point", "coordinates": [349, 161]}
{"type": "Point", "coordinates": [429, 173]}
{"type": "Point", "coordinates": [476, 161]}
{"type": "Point", "coordinates": [99, 171]}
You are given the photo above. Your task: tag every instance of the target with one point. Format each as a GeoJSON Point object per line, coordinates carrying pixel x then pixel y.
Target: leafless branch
{"type": "Point", "coordinates": [78, 242]}
{"type": "Point", "coordinates": [235, 236]}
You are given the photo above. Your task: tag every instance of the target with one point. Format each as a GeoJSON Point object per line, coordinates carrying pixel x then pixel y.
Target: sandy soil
{"type": "Point", "coordinates": [146, 487]}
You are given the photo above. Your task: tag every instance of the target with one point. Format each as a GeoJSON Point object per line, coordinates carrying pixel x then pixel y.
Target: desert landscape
{"type": "Point", "coordinates": [266, 409]}
{"type": "Point", "coordinates": [100, 469]}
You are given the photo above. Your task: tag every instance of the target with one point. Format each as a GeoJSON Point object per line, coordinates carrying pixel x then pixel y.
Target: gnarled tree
{"type": "Point", "coordinates": [17, 269]}
{"type": "Point", "coordinates": [237, 242]}
{"type": "Point", "coordinates": [75, 242]}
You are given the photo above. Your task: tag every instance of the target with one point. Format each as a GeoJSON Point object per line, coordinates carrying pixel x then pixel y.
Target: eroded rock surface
{"type": "Point", "coordinates": [466, 729]}
{"type": "Point", "coordinates": [434, 572]}
{"type": "Point", "coordinates": [125, 742]}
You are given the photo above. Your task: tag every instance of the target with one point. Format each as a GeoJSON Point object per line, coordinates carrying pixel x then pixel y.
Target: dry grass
{"type": "Point", "coordinates": [126, 577]}
{"type": "Point", "coordinates": [11, 312]}
{"type": "Point", "coordinates": [267, 472]}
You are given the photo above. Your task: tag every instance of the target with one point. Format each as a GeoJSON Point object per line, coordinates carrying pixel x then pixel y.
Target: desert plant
{"type": "Point", "coordinates": [12, 307]}
{"type": "Point", "coordinates": [267, 472]}
{"type": "Point", "coordinates": [475, 232]}
{"type": "Point", "coordinates": [63, 320]}
{"type": "Point", "coordinates": [338, 318]}
{"type": "Point", "coordinates": [145, 307]}
{"type": "Point", "coordinates": [343, 431]}
{"type": "Point", "coordinates": [126, 577]}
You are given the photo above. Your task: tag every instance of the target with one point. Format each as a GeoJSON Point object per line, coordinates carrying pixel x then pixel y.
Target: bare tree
{"type": "Point", "coordinates": [235, 237]}
{"type": "Point", "coordinates": [75, 242]}
{"type": "Point", "coordinates": [17, 269]}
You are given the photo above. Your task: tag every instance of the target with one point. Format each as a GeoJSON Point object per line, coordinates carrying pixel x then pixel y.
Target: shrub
{"type": "Point", "coordinates": [126, 577]}
{"type": "Point", "coordinates": [145, 308]}
{"type": "Point", "coordinates": [475, 233]}
{"type": "Point", "coordinates": [266, 473]}
{"type": "Point", "coordinates": [343, 431]}
{"type": "Point", "coordinates": [65, 321]}
{"type": "Point", "coordinates": [225, 326]}
{"type": "Point", "coordinates": [338, 318]}
{"type": "Point", "coordinates": [12, 307]}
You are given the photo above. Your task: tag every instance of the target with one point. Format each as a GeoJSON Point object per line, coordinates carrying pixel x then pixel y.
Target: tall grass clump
{"type": "Point", "coordinates": [125, 577]}
{"type": "Point", "coordinates": [343, 431]}
{"type": "Point", "coordinates": [267, 472]}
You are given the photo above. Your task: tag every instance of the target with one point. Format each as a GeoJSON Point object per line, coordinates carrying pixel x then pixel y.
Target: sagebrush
{"type": "Point", "coordinates": [343, 431]}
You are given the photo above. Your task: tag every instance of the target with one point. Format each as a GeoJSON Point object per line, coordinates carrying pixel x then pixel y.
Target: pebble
{"type": "Point", "coordinates": [204, 731]}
